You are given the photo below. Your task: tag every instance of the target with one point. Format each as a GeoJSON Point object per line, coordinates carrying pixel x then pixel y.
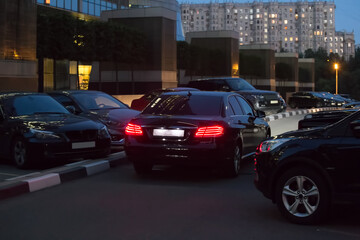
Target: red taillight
{"type": "Point", "coordinates": [133, 129]}
{"type": "Point", "coordinates": [212, 131]}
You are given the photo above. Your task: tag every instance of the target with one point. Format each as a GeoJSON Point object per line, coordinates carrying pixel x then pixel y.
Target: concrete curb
{"type": "Point", "coordinates": [296, 112]}
{"type": "Point", "coordinates": [52, 177]}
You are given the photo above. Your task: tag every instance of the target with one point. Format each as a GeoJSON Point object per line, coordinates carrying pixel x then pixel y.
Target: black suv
{"type": "Point", "coordinates": [268, 101]}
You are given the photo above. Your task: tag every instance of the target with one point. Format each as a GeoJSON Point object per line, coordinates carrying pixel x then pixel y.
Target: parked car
{"type": "Point", "coordinates": [35, 127]}
{"type": "Point", "coordinates": [352, 105]}
{"type": "Point", "coordinates": [336, 100]}
{"type": "Point", "coordinates": [99, 106]}
{"type": "Point", "coordinates": [309, 100]}
{"type": "Point", "coordinates": [212, 129]}
{"type": "Point", "coordinates": [305, 171]}
{"type": "Point", "coordinates": [324, 118]}
{"type": "Point", "coordinates": [140, 103]}
{"type": "Point", "coordinates": [268, 101]}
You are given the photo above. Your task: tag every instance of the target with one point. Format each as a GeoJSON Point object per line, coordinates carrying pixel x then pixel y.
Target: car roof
{"type": "Point", "coordinates": [75, 91]}
{"type": "Point", "coordinates": [202, 93]}
{"type": "Point", "coordinates": [13, 93]}
{"type": "Point", "coordinates": [216, 78]}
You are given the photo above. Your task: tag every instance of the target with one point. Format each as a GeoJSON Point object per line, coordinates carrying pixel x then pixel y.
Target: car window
{"type": "Point", "coordinates": [239, 84]}
{"type": "Point", "coordinates": [248, 110]}
{"type": "Point", "coordinates": [235, 106]}
{"type": "Point", "coordinates": [96, 101]}
{"type": "Point", "coordinates": [64, 100]}
{"type": "Point", "coordinates": [32, 104]}
{"type": "Point", "coordinates": [185, 105]}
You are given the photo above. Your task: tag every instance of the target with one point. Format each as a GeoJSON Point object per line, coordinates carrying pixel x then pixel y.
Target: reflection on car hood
{"type": "Point", "coordinates": [54, 122]}
{"type": "Point", "coordinates": [303, 133]}
{"type": "Point", "coordinates": [114, 116]}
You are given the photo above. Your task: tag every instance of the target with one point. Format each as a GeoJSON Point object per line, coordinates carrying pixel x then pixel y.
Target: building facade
{"type": "Point", "coordinates": [285, 26]}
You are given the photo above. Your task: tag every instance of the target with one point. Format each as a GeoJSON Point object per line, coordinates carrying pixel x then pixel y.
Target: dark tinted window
{"type": "Point", "coordinates": [32, 104]}
{"type": "Point", "coordinates": [235, 106]}
{"type": "Point", "coordinates": [185, 105]}
{"type": "Point", "coordinates": [64, 100]}
{"type": "Point", "coordinates": [245, 106]}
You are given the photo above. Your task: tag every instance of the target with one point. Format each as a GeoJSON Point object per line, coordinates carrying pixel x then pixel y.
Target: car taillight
{"type": "Point", "coordinates": [133, 129]}
{"type": "Point", "coordinates": [212, 131]}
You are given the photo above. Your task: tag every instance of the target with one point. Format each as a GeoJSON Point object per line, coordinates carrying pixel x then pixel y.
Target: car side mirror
{"type": "Point", "coordinates": [260, 114]}
{"type": "Point", "coordinates": [71, 109]}
{"type": "Point", "coordinates": [355, 127]}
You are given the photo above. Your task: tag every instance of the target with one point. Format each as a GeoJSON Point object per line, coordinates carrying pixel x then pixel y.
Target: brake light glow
{"type": "Point", "coordinates": [133, 129]}
{"type": "Point", "coordinates": [211, 131]}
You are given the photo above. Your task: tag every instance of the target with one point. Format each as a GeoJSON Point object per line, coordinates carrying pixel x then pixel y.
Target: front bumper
{"type": "Point", "coordinates": [38, 150]}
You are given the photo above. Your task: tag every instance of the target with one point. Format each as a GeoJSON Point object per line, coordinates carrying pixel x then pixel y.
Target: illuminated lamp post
{"type": "Point", "coordinates": [336, 66]}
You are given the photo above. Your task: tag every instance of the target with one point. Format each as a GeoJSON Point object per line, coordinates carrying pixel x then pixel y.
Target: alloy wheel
{"type": "Point", "coordinates": [301, 196]}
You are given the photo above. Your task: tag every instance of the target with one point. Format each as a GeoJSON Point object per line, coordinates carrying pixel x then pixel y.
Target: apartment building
{"type": "Point", "coordinates": [284, 26]}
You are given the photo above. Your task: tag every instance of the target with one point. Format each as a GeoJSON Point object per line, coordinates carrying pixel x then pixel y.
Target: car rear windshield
{"type": "Point", "coordinates": [238, 84]}
{"type": "Point", "coordinates": [185, 105]}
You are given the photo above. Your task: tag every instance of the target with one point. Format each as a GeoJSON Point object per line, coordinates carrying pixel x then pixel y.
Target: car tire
{"type": "Point", "coordinates": [302, 196]}
{"type": "Point", "coordinates": [292, 105]}
{"type": "Point", "coordinates": [142, 168]}
{"type": "Point", "coordinates": [19, 153]}
{"type": "Point", "coordinates": [232, 166]}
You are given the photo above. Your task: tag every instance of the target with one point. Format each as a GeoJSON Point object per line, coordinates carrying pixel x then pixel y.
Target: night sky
{"type": "Point", "coordinates": [347, 13]}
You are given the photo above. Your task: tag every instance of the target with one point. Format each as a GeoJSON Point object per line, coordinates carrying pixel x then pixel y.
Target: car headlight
{"type": "Point", "coordinates": [270, 145]}
{"type": "Point", "coordinates": [258, 97]}
{"type": "Point", "coordinates": [103, 132]}
{"type": "Point", "coordinates": [44, 134]}
{"type": "Point", "coordinates": [308, 116]}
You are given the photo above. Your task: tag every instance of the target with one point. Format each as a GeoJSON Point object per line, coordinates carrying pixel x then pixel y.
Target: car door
{"type": "Point", "coordinates": [243, 124]}
{"type": "Point", "coordinates": [258, 124]}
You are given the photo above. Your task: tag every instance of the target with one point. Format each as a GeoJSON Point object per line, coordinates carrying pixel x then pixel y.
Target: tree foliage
{"type": "Point", "coordinates": [63, 36]}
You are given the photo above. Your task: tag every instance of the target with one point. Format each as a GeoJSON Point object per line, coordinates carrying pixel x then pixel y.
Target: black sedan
{"type": "Point", "coordinates": [101, 107]}
{"type": "Point", "coordinates": [309, 100]}
{"type": "Point", "coordinates": [33, 127]}
{"type": "Point", "coordinates": [304, 171]}
{"type": "Point", "coordinates": [213, 129]}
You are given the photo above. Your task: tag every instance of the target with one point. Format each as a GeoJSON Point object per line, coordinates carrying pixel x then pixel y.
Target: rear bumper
{"type": "Point", "coordinates": [211, 155]}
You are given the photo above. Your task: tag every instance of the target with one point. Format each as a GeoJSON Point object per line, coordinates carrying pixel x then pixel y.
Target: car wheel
{"type": "Point", "coordinates": [142, 168]}
{"type": "Point", "coordinates": [19, 153]}
{"type": "Point", "coordinates": [292, 105]}
{"type": "Point", "coordinates": [232, 167]}
{"type": "Point", "coordinates": [302, 196]}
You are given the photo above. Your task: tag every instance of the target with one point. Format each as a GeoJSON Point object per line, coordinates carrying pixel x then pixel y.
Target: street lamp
{"type": "Point", "coordinates": [336, 66]}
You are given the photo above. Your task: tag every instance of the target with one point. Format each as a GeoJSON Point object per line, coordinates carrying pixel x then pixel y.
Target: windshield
{"type": "Point", "coordinates": [239, 84]}
{"type": "Point", "coordinates": [32, 104]}
{"type": "Point", "coordinates": [97, 101]}
{"type": "Point", "coordinates": [185, 105]}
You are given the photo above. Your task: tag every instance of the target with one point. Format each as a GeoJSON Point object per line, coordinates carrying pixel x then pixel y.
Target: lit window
{"type": "Point", "coordinates": [286, 39]}
{"type": "Point", "coordinates": [286, 21]}
{"type": "Point", "coordinates": [291, 39]}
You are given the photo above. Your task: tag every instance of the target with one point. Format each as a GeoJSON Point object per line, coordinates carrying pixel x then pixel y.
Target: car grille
{"type": "Point", "coordinates": [85, 135]}
{"type": "Point", "coordinates": [270, 97]}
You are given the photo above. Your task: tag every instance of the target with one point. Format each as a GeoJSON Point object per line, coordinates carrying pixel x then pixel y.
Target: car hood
{"type": "Point", "coordinates": [57, 122]}
{"type": "Point", "coordinates": [115, 117]}
{"type": "Point", "coordinates": [303, 133]}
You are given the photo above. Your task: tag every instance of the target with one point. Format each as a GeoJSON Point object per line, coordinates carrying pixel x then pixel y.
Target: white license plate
{"type": "Point", "coordinates": [80, 145]}
{"type": "Point", "coordinates": [168, 133]}
{"type": "Point", "coordinates": [274, 101]}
